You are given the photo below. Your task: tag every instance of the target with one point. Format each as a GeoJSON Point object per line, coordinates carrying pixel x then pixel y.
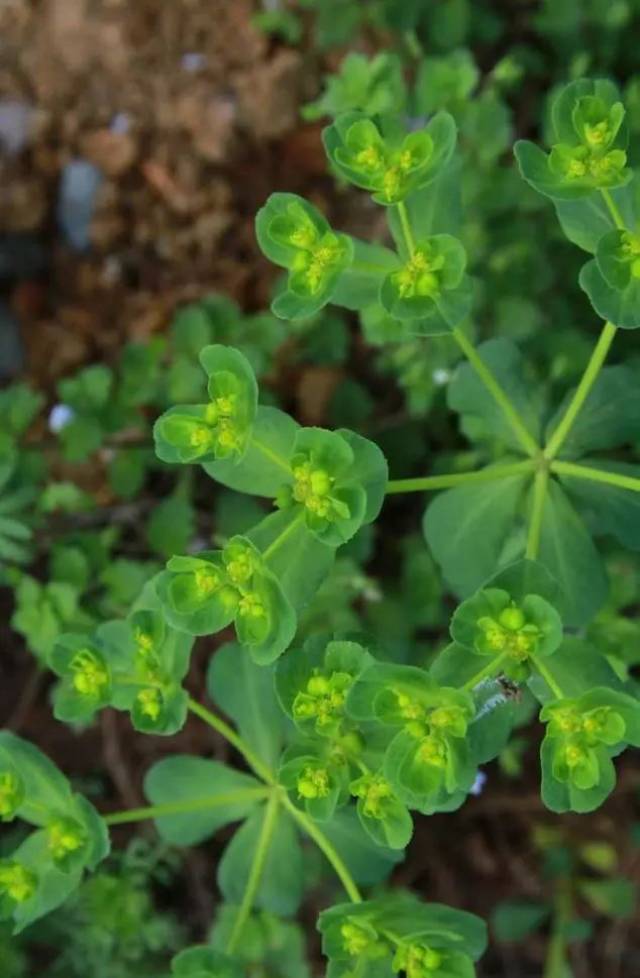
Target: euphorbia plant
{"type": "Point", "coordinates": [343, 746]}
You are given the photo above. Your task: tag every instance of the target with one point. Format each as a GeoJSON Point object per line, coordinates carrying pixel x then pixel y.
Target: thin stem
{"type": "Point", "coordinates": [556, 961]}
{"type": "Point", "coordinates": [280, 539]}
{"type": "Point", "coordinates": [429, 482]}
{"type": "Point", "coordinates": [490, 670]}
{"type": "Point", "coordinates": [540, 486]}
{"type": "Point", "coordinates": [234, 739]}
{"type": "Point", "coordinates": [548, 677]}
{"type": "Point", "coordinates": [184, 807]}
{"type": "Point", "coordinates": [596, 475]}
{"type": "Point", "coordinates": [270, 454]}
{"type": "Point", "coordinates": [405, 224]}
{"type": "Point", "coordinates": [583, 390]}
{"type": "Point", "coordinates": [255, 873]}
{"type": "Point", "coordinates": [618, 219]}
{"type": "Point", "coordinates": [500, 397]}
{"type": "Point", "coordinates": [326, 847]}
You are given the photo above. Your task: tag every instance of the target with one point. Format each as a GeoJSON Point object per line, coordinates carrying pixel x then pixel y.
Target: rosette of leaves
{"type": "Point", "coordinates": [205, 593]}
{"type": "Point", "coordinates": [473, 530]}
{"type": "Point", "coordinates": [69, 836]}
{"type": "Point", "coordinates": [293, 234]}
{"type": "Point", "coordinates": [374, 86]}
{"type": "Point", "coordinates": [135, 665]}
{"type": "Point", "coordinates": [583, 734]}
{"type": "Point", "coordinates": [390, 166]}
{"type": "Point", "coordinates": [398, 934]}
{"type": "Point", "coordinates": [430, 286]}
{"type": "Point", "coordinates": [220, 429]}
{"type": "Point", "coordinates": [589, 144]}
{"type": "Point", "coordinates": [427, 761]}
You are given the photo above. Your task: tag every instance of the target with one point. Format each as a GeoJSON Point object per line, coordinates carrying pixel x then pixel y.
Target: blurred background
{"type": "Point", "coordinates": [137, 141]}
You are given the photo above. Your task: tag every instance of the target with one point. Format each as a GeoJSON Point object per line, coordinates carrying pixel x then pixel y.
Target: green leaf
{"type": "Point", "coordinates": [368, 862]}
{"type": "Point", "coordinates": [513, 920]}
{"type": "Point", "coordinates": [246, 693]}
{"type": "Point", "coordinates": [585, 221]}
{"type": "Point", "coordinates": [577, 667]}
{"type": "Point", "coordinates": [434, 209]}
{"type": "Point", "coordinates": [620, 307]}
{"type": "Point", "coordinates": [615, 897]}
{"type": "Point", "coordinates": [359, 285]}
{"type": "Point", "coordinates": [609, 417]}
{"type": "Point", "coordinates": [171, 526]}
{"type": "Point", "coordinates": [265, 467]}
{"type": "Point", "coordinates": [204, 962]}
{"type": "Point", "coordinates": [218, 795]}
{"type": "Point", "coordinates": [46, 789]}
{"type": "Point", "coordinates": [568, 552]}
{"type": "Point", "coordinates": [482, 418]}
{"type": "Point", "coordinates": [467, 527]}
{"type": "Point", "coordinates": [281, 883]}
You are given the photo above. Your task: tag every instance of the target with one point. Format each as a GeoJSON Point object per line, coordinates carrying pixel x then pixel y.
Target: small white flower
{"type": "Point", "coordinates": [60, 416]}
{"type": "Point", "coordinates": [441, 377]}
{"type": "Point", "coordinates": [478, 785]}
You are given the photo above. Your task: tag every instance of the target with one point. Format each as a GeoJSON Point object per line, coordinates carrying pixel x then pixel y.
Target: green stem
{"type": "Point", "coordinates": [500, 397]}
{"type": "Point", "coordinates": [270, 454]}
{"type": "Point", "coordinates": [234, 739]}
{"type": "Point", "coordinates": [405, 224]}
{"type": "Point", "coordinates": [255, 873]}
{"type": "Point", "coordinates": [183, 807]}
{"type": "Point", "coordinates": [488, 672]}
{"type": "Point", "coordinates": [548, 677]}
{"type": "Point", "coordinates": [583, 390]}
{"type": "Point", "coordinates": [618, 219]}
{"type": "Point", "coordinates": [429, 482]}
{"type": "Point", "coordinates": [540, 485]}
{"type": "Point", "coordinates": [286, 533]}
{"type": "Point", "coordinates": [556, 961]}
{"type": "Point", "coordinates": [326, 847]}
{"type": "Point", "coordinates": [596, 475]}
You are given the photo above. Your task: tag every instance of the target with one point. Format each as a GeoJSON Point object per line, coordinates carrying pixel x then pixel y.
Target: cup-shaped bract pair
{"type": "Point", "coordinates": [136, 665]}
{"type": "Point", "coordinates": [430, 284]}
{"type": "Point", "coordinates": [69, 836]}
{"type": "Point", "coordinates": [218, 430]}
{"type": "Point", "coordinates": [205, 593]}
{"type": "Point", "coordinates": [419, 940]}
{"type": "Point", "coordinates": [338, 480]}
{"type": "Point", "coordinates": [589, 144]}
{"type": "Point", "coordinates": [612, 278]}
{"type": "Point", "coordinates": [313, 682]}
{"type": "Point", "coordinates": [389, 166]}
{"type": "Point", "coordinates": [428, 759]}
{"type": "Point", "coordinates": [582, 736]}
{"type": "Point", "coordinates": [317, 773]}
{"type": "Point", "coordinates": [294, 234]}
{"type": "Point", "coordinates": [491, 623]}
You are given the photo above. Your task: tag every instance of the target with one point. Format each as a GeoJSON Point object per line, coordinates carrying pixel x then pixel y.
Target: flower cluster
{"type": "Point", "coordinates": [206, 593]}
{"type": "Point", "coordinates": [582, 735]}
{"type": "Point", "coordinates": [220, 429]}
{"type": "Point", "coordinates": [390, 169]}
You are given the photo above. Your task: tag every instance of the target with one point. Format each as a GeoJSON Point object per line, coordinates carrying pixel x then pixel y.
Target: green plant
{"type": "Point", "coordinates": [345, 740]}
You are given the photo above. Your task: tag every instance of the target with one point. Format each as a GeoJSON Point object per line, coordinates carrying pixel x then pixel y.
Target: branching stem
{"type": "Point", "coordinates": [596, 475]}
{"type": "Point", "coordinates": [540, 485]}
{"type": "Point", "coordinates": [431, 482]}
{"type": "Point", "coordinates": [184, 807]}
{"type": "Point", "coordinates": [234, 739]}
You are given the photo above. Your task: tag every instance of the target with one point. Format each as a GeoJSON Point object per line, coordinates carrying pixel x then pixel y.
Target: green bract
{"type": "Point", "coordinates": [420, 940]}
{"type": "Point", "coordinates": [430, 284]}
{"type": "Point", "coordinates": [582, 736]}
{"type": "Point", "coordinates": [589, 152]}
{"type": "Point", "coordinates": [296, 236]}
{"type": "Point", "coordinates": [389, 168]}
{"type": "Point", "coordinates": [337, 479]}
{"type": "Point", "coordinates": [491, 623]}
{"type": "Point", "coordinates": [68, 835]}
{"type": "Point", "coordinates": [612, 280]}
{"type": "Point", "coordinates": [206, 593]}
{"type": "Point", "coordinates": [220, 429]}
